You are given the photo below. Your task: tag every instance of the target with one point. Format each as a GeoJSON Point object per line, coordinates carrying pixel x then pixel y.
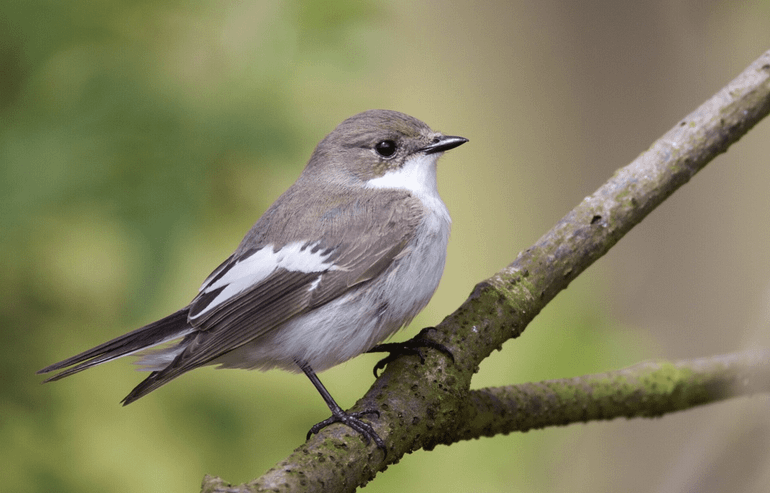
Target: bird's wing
{"type": "Point", "coordinates": [258, 289]}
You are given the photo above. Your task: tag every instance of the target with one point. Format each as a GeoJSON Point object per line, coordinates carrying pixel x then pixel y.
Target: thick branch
{"type": "Point", "coordinates": [422, 406]}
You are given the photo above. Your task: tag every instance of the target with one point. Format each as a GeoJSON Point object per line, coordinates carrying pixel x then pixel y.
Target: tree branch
{"type": "Point", "coordinates": [645, 390]}
{"type": "Point", "coordinates": [425, 405]}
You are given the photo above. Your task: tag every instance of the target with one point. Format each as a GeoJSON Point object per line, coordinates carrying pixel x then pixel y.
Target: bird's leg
{"type": "Point", "coordinates": [352, 420]}
{"type": "Point", "coordinates": [411, 347]}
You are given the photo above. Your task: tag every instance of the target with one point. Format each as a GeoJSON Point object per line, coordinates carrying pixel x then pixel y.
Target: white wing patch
{"type": "Point", "coordinates": [252, 270]}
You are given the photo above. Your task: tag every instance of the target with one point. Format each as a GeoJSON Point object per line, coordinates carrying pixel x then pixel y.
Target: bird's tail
{"type": "Point", "coordinates": [164, 330]}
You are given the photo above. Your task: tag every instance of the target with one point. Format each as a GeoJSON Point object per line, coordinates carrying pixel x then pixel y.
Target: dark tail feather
{"type": "Point", "coordinates": [152, 382]}
{"type": "Point", "coordinates": [165, 329]}
{"type": "Point", "coordinates": [185, 361]}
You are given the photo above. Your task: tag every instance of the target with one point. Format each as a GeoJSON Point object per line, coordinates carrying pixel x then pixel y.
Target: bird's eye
{"type": "Point", "coordinates": [386, 148]}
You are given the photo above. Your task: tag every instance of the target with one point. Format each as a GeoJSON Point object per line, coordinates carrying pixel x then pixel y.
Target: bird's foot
{"type": "Point", "coordinates": [412, 347]}
{"type": "Point", "coordinates": [352, 420]}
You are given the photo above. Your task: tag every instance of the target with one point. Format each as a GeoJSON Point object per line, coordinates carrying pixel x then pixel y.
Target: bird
{"type": "Point", "coordinates": [344, 258]}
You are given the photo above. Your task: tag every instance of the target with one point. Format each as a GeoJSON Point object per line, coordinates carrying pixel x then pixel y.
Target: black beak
{"type": "Point", "coordinates": [444, 143]}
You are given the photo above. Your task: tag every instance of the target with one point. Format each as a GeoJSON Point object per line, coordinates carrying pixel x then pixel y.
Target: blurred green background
{"type": "Point", "coordinates": [140, 140]}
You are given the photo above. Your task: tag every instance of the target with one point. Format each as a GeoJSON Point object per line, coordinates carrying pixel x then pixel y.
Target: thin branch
{"type": "Point", "coordinates": [424, 405]}
{"type": "Point", "coordinates": [645, 390]}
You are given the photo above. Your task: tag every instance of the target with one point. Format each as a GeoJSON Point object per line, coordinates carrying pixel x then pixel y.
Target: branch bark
{"type": "Point", "coordinates": [425, 405]}
{"type": "Point", "coordinates": [645, 390]}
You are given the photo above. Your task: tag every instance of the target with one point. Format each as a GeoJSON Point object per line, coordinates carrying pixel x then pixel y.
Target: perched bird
{"type": "Point", "coordinates": [348, 255]}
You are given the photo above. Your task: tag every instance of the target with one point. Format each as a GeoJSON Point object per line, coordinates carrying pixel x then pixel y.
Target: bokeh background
{"type": "Point", "coordinates": [139, 140]}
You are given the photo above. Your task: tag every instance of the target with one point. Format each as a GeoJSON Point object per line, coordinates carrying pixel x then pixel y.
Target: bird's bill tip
{"type": "Point", "coordinates": [444, 143]}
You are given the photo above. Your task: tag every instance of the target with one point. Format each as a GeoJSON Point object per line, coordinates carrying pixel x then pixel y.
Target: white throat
{"type": "Point", "coordinates": [417, 175]}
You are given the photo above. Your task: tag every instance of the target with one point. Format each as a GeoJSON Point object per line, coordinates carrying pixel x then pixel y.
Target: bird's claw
{"type": "Point", "coordinates": [411, 347]}
{"type": "Point", "coordinates": [352, 420]}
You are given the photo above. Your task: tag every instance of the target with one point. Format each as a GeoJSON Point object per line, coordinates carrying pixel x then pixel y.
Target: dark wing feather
{"type": "Point", "coordinates": [220, 270]}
